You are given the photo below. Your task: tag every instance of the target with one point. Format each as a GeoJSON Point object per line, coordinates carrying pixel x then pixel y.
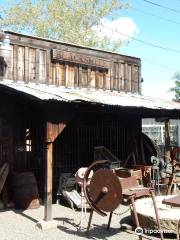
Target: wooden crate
{"type": "Point", "coordinates": [126, 172]}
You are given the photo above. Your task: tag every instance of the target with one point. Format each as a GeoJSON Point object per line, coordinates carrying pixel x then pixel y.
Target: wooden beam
{"type": "Point", "coordinates": [122, 76]}
{"type": "Point", "coordinates": [15, 62]}
{"type": "Point", "coordinates": [66, 74]}
{"type": "Point", "coordinates": [115, 82]}
{"type": "Point", "coordinates": [167, 139]}
{"type": "Point", "coordinates": [119, 77]}
{"type": "Point", "coordinates": [88, 78]}
{"type": "Point", "coordinates": [79, 76]}
{"type": "Point", "coordinates": [111, 79]}
{"type": "Point", "coordinates": [97, 79]}
{"type": "Point", "coordinates": [48, 188]}
{"type": "Point", "coordinates": [125, 77]}
{"type": "Point", "coordinates": [104, 80]}
{"type": "Point", "coordinates": [75, 76]}
{"type": "Point", "coordinates": [53, 131]}
{"type": "Point", "coordinates": [26, 64]}
{"type": "Point", "coordinates": [57, 74]}
{"type": "Point", "coordinates": [48, 66]}
{"type": "Point", "coordinates": [37, 66]}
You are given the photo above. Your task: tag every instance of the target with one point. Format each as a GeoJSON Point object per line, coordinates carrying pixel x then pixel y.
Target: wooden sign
{"type": "Point", "coordinates": [80, 58]}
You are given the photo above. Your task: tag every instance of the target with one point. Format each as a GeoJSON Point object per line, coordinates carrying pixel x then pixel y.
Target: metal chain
{"type": "Point", "coordinates": [121, 213]}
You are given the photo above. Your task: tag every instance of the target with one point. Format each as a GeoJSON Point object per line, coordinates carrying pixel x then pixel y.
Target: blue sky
{"type": "Point", "coordinates": [157, 79]}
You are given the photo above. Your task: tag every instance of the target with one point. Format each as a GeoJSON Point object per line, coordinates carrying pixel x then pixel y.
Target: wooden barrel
{"type": "Point", "coordinates": [25, 190]}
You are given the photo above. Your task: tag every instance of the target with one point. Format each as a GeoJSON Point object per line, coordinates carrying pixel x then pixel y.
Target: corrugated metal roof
{"type": "Point", "coordinates": [45, 92]}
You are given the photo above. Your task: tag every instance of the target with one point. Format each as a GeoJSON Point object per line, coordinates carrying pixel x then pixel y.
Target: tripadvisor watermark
{"type": "Point", "coordinates": [140, 231]}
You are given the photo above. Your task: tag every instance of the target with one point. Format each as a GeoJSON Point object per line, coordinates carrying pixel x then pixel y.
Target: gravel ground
{"type": "Point", "coordinates": [18, 225]}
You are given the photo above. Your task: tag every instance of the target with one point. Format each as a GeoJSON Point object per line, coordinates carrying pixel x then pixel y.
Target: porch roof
{"type": "Point", "coordinates": [47, 92]}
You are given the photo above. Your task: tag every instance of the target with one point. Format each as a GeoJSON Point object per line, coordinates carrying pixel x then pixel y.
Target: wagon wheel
{"type": "Point", "coordinates": [104, 192]}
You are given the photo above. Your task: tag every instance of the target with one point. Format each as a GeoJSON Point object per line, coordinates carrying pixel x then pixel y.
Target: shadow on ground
{"type": "Point", "coordinates": [95, 232]}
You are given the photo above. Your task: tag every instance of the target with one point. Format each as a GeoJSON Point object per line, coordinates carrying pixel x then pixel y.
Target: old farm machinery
{"type": "Point", "coordinates": [106, 191]}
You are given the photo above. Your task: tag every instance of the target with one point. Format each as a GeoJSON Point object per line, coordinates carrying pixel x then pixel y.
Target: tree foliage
{"type": "Point", "coordinates": [176, 89]}
{"type": "Point", "coordinates": [66, 20]}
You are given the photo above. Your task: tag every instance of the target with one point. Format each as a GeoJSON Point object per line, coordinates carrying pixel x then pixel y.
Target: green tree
{"type": "Point", "coordinates": [176, 89]}
{"type": "Point", "coordinates": [72, 21]}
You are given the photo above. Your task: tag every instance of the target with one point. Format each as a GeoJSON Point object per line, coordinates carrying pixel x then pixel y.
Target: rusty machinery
{"type": "Point", "coordinates": [106, 191]}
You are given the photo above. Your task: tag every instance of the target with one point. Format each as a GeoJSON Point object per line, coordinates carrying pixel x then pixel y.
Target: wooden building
{"type": "Point", "coordinates": [58, 101]}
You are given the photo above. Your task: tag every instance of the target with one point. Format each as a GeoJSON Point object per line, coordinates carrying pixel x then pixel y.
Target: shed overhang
{"type": "Point", "coordinates": [106, 98]}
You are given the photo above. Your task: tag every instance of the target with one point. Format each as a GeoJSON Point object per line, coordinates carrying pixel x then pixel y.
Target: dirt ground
{"type": "Point", "coordinates": [22, 225]}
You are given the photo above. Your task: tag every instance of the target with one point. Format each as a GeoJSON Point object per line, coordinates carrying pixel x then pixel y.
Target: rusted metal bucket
{"type": "Point", "coordinates": [25, 190]}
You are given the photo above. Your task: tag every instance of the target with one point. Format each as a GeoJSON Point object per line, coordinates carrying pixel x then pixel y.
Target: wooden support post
{"type": "Point", "coordinates": [48, 193]}
{"type": "Point", "coordinates": [53, 131]}
{"type": "Point", "coordinates": [167, 140]}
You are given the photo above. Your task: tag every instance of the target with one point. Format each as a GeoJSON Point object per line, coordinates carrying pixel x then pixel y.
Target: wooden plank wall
{"type": "Point", "coordinates": [35, 64]}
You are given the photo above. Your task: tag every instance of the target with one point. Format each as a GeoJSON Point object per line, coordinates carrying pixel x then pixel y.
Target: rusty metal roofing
{"type": "Point", "coordinates": [46, 92]}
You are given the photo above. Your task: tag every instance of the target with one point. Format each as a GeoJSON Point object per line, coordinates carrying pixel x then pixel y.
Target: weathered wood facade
{"type": "Point", "coordinates": [53, 136]}
{"type": "Point", "coordinates": [48, 62]}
